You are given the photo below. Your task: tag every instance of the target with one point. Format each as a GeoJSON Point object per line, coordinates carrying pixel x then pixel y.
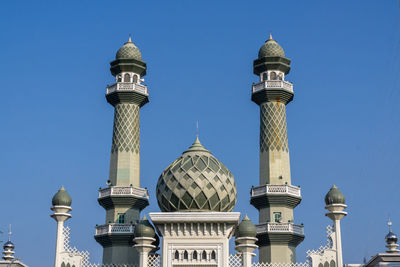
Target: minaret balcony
{"type": "Point", "coordinates": [114, 228]}
{"type": "Point", "coordinates": [127, 87]}
{"type": "Point", "coordinates": [280, 228]}
{"type": "Point", "coordinates": [279, 233]}
{"type": "Point", "coordinates": [115, 233]}
{"type": "Point", "coordinates": [112, 196]}
{"type": "Point", "coordinates": [283, 194]}
{"type": "Point", "coordinates": [272, 90]}
{"type": "Point", "coordinates": [272, 84]}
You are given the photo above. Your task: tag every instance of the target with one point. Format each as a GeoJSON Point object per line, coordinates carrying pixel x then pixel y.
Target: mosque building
{"type": "Point", "coordinates": [197, 193]}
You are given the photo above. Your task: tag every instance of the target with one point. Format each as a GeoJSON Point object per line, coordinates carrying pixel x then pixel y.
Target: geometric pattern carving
{"type": "Point", "coordinates": [296, 264]}
{"type": "Point", "coordinates": [273, 132]}
{"type": "Point", "coordinates": [154, 260]}
{"type": "Point", "coordinates": [235, 260]}
{"type": "Point", "coordinates": [329, 243]}
{"type": "Point", "coordinates": [126, 128]}
{"type": "Point", "coordinates": [196, 182]}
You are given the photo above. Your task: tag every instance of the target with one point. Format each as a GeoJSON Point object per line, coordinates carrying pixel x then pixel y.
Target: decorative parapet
{"type": "Point", "coordinates": [296, 264]}
{"type": "Point", "coordinates": [124, 191]}
{"type": "Point", "coordinates": [261, 190]}
{"type": "Point", "coordinates": [271, 85]}
{"type": "Point", "coordinates": [280, 228]}
{"type": "Point", "coordinates": [121, 86]}
{"type": "Point", "coordinates": [114, 228]}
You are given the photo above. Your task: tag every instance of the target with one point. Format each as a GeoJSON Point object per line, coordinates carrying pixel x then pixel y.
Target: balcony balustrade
{"type": "Point", "coordinates": [114, 228]}
{"type": "Point", "coordinates": [120, 86]}
{"type": "Point", "coordinates": [124, 191]}
{"type": "Point", "coordinates": [267, 189]}
{"type": "Point", "coordinates": [280, 228]}
{"type": "Point", "coordinates": [272, 84]}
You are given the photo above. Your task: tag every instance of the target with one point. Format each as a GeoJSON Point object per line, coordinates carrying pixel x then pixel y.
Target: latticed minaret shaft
{"type": "Point", "coordinates": [123, 199]}
{"type": "Point", "coordinates": [275, 197]}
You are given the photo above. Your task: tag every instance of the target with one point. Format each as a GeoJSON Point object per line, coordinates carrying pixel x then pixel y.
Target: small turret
{"type": "Point", "coordinates": [145, 240]}
{"type": "Point", "coordinates": [61, 198]}
{"type": "Point", "coordinates": [334, 196]}
{"type": "Point", "coordinates": [144, 229]}
{"type": "Point", "coordinates": [391, 241]}
{"type": "Point", "coordinates": [246, 228]}
{"type": "Point", "coordinates": [246, 240]}
{"type": "Point", "coordinates": [8, 248]}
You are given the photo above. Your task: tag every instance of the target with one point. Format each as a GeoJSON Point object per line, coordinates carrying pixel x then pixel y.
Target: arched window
{"type": "Point", "coordinates": [272, 75]}
{"type": "Point", "coordinates": [135, 78]}
{"type": "Point", "coordinates": [326, 264]}
{"type": "Point", "coordinates": [213, 255]}
{"type": "Point", "coordinates": [68, 265]}
{"type": "Point", "coordinates": [332, 264]}
{"type": "Point", "coordinates": [320, 265]}
{"type": "Point", "coordinates": [119, 79]}
{"type": "Point", "coordinates": [204, 255]}
{"type": "Point", "coordinates": [195, 255]}
{"type": "Point", "coordinates": [127, 78]}
{"type": "Point", "coordinates": [185, 255]}
{"type": "Point", "coordinates": [176, 256]}
{"type": "Point", "coordinates": [265, 77]}
{"type": "Point", "coordinates": [63, 264]}
{"type": "Point", "coordinates": [280, 77]}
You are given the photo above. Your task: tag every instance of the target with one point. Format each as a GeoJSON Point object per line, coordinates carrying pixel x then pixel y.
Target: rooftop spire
{"type": "Point", "coordinates": [270, 36]}
{"type": "Point", "coordinates": [130, 39]}
{"type": "Point", "coordinates": [9, 233]}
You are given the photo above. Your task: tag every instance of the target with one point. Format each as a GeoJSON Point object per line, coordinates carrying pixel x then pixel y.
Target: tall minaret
{"type": "Point", "coordinates": [275, 197]}
{"type": "Point", "coordinates": [123, 199]}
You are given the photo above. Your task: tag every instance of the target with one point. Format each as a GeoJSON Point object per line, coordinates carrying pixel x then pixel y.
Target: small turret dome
{"type": "Point", "coordinates": [196, 181]}
{"type": "Point", "coordinates": [129, 51]}
{"type": "Point", "coordinates": [61, 198]}
{"type": "Point", "coordinates": [8, 245]}
{"type": "Point", "coordinates": [246, 228]}
{"type": "Point", "coordinates": [271, 49]}
{"type": "Point", "coordinates": [334, 196]}
{"type": "Point", "coordinates": [144, 228]}
{"type": "Point", "coordinates": [391, 238]}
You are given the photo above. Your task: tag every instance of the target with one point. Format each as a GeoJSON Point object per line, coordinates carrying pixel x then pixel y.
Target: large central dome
{"type": "Point", "coordinates": [196, 181]}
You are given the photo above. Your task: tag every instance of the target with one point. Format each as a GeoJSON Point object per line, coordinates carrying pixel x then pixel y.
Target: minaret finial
{"type": "Point", "coordinates": [389, 223]}
{"type": "Point", "coordinates": [9, 233]}
{"type": "Point", "coordinates": [130, 38]}
{"type": "Point", "coordinates": [197, 129]}
{"type": "Point", "coordinates": [270, 36]}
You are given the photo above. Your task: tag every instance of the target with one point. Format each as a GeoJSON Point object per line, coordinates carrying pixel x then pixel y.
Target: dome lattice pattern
{"type": "Point", "coordinates": [129, 51]}
{"type": "Point", "coordinates": [196, 181]}
{"type": "Point", "coordinates": [271, 49]}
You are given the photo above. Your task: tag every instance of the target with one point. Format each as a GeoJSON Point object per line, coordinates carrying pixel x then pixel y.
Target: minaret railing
{"type": "Point", "coordinates": [115, 228]}
{"type": "Point", "coordinates": [280, 227]}
{"type": "Point", "coordinates": [124, 191]}
{"type": "Point", "coordinates": [271, 84]}
{"type": "Point", "coordinates": [120, 86]}
{"type": "Point", "coordinates": [275, 190]}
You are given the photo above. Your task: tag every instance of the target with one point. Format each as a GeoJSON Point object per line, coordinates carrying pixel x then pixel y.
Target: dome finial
{"type": "Point", "coordinates": [130, 38]}
{"type": "Point", "coordinates": [270, 36]}
{"type": "Point", "coordinates": [9, 233]}
{"type": "Point", "coordinates": [197, 129]}
{"type": "Point", "coordinates": [389, 223]}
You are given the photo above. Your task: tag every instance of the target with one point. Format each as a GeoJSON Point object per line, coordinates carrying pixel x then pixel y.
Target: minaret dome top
{"type": "Point", "coordinates": [271, 49]}
{"type": "Point", "coordinates": [61, 198]}
{"type": "Point", "coordinates": [129, 51]}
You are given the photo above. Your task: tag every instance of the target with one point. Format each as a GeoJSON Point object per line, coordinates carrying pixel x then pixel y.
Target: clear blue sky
{"type": "Point", "coordinates": [56, 125]}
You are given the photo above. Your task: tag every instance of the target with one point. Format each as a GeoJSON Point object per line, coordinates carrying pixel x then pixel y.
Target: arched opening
{"type": "Point", "coordinates": [195, 255]}
{"type": "Point", "coordinates": [204, 255]}
{"type": "Point", "coordinates": [332, 264]}
{"type": "Point", "coordinates": [63, 264]}
{"type": "Point", "coordinates": [127, 78]}
{"type": "Point", "coordinates": [119, 78]}
{"type": "Point", "coordinates": [185, 255]}
{"type": "Point", "coordinates": [326, 264]}
{"type": "Point", "coordinates": [272, 75]}
{"type": "Point", "coordinates": [265, 77]}
{"type": "Point", "coordinates": [176, 256]}
{"type": "Point", "coordinates": [135, 78]}
{"type": "Point", "coordinates": [280, 77]}
{"type": "Point", "coordinates": [68, 265]}
{"type": "Point", "coordinates": [213, 255]}
{"type": "Point", "coordinates": [320, 265]}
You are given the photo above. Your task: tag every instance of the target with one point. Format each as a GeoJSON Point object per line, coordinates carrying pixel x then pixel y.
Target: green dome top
{"type": "Point", "coordinates": [129, 51]}
{"type": "Point", "coordinates": [334, 196]}
{"type": "Point", "coordinates": [271, 49]}
{"type": "Point", "coordinates": [144, 228]}
{"type": "Point", "coordinates": [246, 228]}
{"type": "Point", "coordinates": [61, 198]}
{"type": "Point", "coordinates": [196, 181]}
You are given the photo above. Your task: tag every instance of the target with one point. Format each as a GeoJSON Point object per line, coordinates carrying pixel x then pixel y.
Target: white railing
{"type": "Point", "coordinates": [275, 264]}
{"type": "Point", "coordinates": [140, 88]}
{"type": "Point", "coordinates": [124, 191]}
{"type": "Point", "coordinates": [280, 227]}
{"type": "Point", "coordinates": [278, 189]}
{"type": "Point", "coordinates": [118, 228]}
{"type": "Point", "coordinates": [272, 85]}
